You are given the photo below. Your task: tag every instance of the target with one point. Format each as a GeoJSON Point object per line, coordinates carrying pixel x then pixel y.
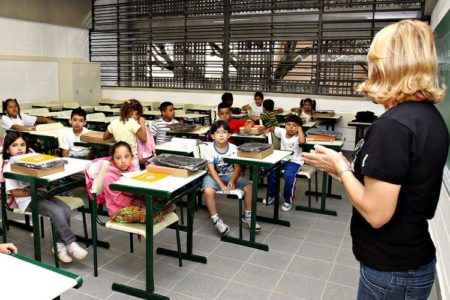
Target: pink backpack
{"type": "Point", "coordinates": [147, 149]}
{"type": "Point", "coordinates": [90, 172]}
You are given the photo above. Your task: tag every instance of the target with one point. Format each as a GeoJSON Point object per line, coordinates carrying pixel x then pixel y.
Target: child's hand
{"type": "Point", "coordinates": [248, 126]}
{"type": "Point", "coordinates": [224, 188]}
{"type": "Point", "coordinates": [8, 248]}
{"type": "Point", "coordinates": [31, 128]}
{"type": "Point", "coordinates": [142, 121]}
{"type": "Point", "coordinates": [231, 185]}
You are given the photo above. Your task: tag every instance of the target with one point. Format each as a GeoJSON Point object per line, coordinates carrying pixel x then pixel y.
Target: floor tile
{"type": "Point", "coordinates": [310, 267]}
{"type": "Point", "coordinates": [201, 286]}
{"type": "Point", "coordinates": [219, 266]}
{"type": "Point", "coordinates": [344, 275]}
{"type": "Point", "coordinates": [257, 276]}
{"type": "Point", "coordinates": [335, 291]}
{"type": "Point", "coordinates": [317, 251]}
{"type": "Point", "coordinates": [239, 291]}
{"type": "Point", "coordinates": [271, 259]}
{"type": "Point", "coordinates": [300, 286]}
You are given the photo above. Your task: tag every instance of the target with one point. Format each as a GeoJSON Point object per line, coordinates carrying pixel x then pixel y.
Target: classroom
{"type": "Point", "coordinates": [161, 105]}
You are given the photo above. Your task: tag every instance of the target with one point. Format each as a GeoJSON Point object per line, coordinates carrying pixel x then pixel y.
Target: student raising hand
{"type": "Point", "coordinates": [8, 248]}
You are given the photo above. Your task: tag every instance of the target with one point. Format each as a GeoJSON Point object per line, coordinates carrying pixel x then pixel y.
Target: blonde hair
{"type": "Point", "coordinates": [403, 65]}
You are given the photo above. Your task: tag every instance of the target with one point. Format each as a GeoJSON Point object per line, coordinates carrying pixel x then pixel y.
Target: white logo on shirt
{"type": "Point", "coordinates": [364, 160]}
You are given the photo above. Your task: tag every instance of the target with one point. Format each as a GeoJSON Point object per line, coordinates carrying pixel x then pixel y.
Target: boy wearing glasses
{"type": "Point", "coordinates": [224, 176]}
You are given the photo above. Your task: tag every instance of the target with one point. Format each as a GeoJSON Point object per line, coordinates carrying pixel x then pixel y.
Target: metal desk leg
{"type": "Point", "coordinates": [323, 200]}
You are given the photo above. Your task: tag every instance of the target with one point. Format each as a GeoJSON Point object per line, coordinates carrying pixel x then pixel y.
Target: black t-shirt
{"type": "Point", "coordinates": [407, 146]}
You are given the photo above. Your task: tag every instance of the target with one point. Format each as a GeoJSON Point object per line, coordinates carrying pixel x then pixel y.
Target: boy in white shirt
{"type": "Point", "coordinates": [67, 140]}
{"type": "Point", "coordinates": [291, 138]}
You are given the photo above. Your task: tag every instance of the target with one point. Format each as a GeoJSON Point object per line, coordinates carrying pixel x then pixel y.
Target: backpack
{"type": "Point", "coordinates": [147, 149]}
{"type": "Point", "coordinates": [90, 172]}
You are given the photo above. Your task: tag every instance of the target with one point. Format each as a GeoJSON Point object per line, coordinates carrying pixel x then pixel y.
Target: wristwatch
{"type": "Point", "coordinates": [339, 175]}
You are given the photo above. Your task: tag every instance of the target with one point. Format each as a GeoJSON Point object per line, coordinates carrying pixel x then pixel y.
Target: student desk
{"type": "Point", "coordinates": [169, 187]}
{"type": "Point", "coordinates": [239, 116]}
{"type": "Point", "coordinates": [108, 111]}
{"type": "Point", "coordinates": [326, 181]}
{"type": "Point", "coordinates": [280, 116]}
{"type": "Point", "coordinates": [151, 114]}
{"type": "Point", "coordinates": [50, 106]}
{"type": "Point", "coordinates": [32, 279]}
{"type": "Point", "coordinates": [268, 163]}
{"type": "Point", "coordinates": [192, 117]}
{"type": "Point", "coordinates": [51, 114]}
{"type": "Point", "coordinates": [360, 129]}
{"type": "Point", "coordinates": [202, 109]}
{"type": "Point", "coordinates": [328, 121]}
{"type": "Point", "coordinates": [240, 138]}
{"type": "Point", "coordinates": [99, 125]}
{"type": "Point", "coordinates": [175, 148]}
{"type": "Point", "coordinates": [190, 135]}
{"type": "Point", "coordinates": [112, 103]}
{"type": "Point", "coordinates": [74, 166]}
{"type": "Point", "coordinates": [100, 149]}
{"type": "Point", "coordinates": [305, 126]}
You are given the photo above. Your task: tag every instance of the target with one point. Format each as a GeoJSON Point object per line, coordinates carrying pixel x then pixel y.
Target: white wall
{"type": "Point", "coordinates": [347, 106]}
{"type": "Point", "coordinates": [29, 56]}
{"type": "Point", "coordinates": [440, 225]}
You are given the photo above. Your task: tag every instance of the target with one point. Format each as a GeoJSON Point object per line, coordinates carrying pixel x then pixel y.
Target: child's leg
{"type": "Point", "coordinates": [59, 214]}
{"type": "Point", "coordinates": [130, 214]}
{"type": "Point", "coordinates": [210, 187]}
{"type": "Point", "coordinates": [248, 197]}
{"type": "Point", "coordinates": [290, 169]}
{"type": "Point", "coordinates": [271, 183]}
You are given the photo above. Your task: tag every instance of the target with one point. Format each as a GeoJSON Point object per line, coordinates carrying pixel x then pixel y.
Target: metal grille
{"type": "Point", "coordinates": [293, 46]}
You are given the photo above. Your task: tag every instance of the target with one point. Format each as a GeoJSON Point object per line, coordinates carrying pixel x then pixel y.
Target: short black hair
{"type": "Point", "coordinates": [216, 125]}
{"type": "Point", "coordinates": [164, 105]}
{"type": "Point", "coordinates": [268, 104]}
{"type": "Point", "coordinates": [78, 112]}
{"type": "Point", "coordinates": [293, 118]}
{"type": "Point", "coordinates": [5, 104]}
{"type": "Point", "coordinates": [10, 138]}
{"type": "Point", "coordinates": [259, 94]}
{"type": "Point", "coordinates": [308, 100]}
{"type": "Point", "coordinates": [223, 105]}
{"type": "Point", "coordinates": [227, 96]}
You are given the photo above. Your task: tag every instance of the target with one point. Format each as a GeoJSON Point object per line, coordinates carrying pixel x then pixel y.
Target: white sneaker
{"type": "Point", "coordinates": [221, 227]}
{"type": "Point", "coordinates": [247, 220]}
{"type": "Point", "coordinates": [62, 253]}
{"type": "Point", "coordinates": [76, 251]}
{"type": "Point", "coordinates": [286, 206]}
{"type": "Point", "coordinates": [269, 200]}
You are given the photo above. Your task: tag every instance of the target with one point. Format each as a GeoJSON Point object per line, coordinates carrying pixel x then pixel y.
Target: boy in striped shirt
{"type": "Point", "coordinates": [268, 116]}
{"type": "Point", "coordinates": [162, 125]}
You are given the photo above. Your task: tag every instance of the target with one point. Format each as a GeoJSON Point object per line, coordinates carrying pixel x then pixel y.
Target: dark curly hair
{"type": "Point", "coordinates": [128, 107]}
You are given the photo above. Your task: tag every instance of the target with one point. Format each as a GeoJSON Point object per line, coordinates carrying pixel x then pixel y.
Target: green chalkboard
{"type": "Point", "coordinates": [442, 36]}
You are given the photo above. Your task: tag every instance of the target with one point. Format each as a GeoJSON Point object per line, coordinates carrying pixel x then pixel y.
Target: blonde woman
{"type": "Point", "coordinates": [394, 179]}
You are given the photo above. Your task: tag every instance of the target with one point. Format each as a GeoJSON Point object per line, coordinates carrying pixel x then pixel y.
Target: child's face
{"type": "Point", "coordinates": [169, 113]}
{"type": "Point", "coordinates": [291, 128]}
{"type": "Point", "coordinates": [17, 147]}
{"type": "Point", "coordinates": [12, 109]}
{"type": "Point", "coordinates": [77, 122]}
{"type": "Point", "coordinates": [224, 114]}
{"type": "Point", "coordinates": [220, 136]}
{"type": "Point", "coordinates": [307, 107]}
{"type": "Point", "coordinates": [122, 158]}
{"type": "Point", "coordinates": [258, 101]}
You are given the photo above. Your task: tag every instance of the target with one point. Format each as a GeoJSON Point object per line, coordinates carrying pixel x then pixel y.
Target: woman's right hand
{"type": "Point", "coordinates": [8, 248]}
{"type": "Point", "coordinates": [326, 159]}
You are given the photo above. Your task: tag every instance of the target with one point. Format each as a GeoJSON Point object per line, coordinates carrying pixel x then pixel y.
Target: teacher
{"type": "Point", "coordinates": [395, 176]}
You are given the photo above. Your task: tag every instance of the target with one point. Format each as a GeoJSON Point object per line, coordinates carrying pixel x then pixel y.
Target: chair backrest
{"type": "Point", "coordinates": [71, 105]}
{"type": "Point", "coordinates": [201, 150]}
{"type": "Point", "coordinates": [95, 117]}
{"type": "Point", "coordinates": [38, 111]}
{"type": "Point", "coordinates": [47, 127]}
{"type": "Point", "coordinates": [65, 113]}
{"type": "Point", "coordinates": [102, 107]}
{"type": "Point", "coordinates": [97, 185]}
{"type": "Point", "coordinates": [155, 105]}
{"type": "Point", "coordinates": [274, 140]}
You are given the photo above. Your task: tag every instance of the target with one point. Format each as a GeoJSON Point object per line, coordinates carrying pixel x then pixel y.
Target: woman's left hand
{"type": "Point", "coordinates": [326, 160]}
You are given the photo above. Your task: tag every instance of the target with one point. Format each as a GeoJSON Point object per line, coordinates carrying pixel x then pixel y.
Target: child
{"type": "Point", "coordinates": [162, 125]}
{"type": "Point", "coordinates": [66, 142]}
{"type": "Point", "coordinates": [291, 137]}
{"type": "Point", "coordinates": [227, 99]}
{"type": "Point", "coordinates": [224, 113]}
{"type": "Point", "coordinates": [130, 125]}
{"type": "Point", "coordinates": [255, 108]}
{"type": "Point", "coordinates": [124, 207]}
{"type": "Point", "coordinates": [56, 210]}
{"type": "Point", "coordinates": [268, 116]}
{"type": "Point", "coordinates": [13, 119]}
{"type": "Point", "coordinates": [306, 112]}
{"type": "Point", "coordinates": [224, 176]}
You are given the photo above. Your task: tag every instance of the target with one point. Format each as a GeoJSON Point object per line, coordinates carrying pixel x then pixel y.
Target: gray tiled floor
{"type": "Point", "coordinates": [312, 259]}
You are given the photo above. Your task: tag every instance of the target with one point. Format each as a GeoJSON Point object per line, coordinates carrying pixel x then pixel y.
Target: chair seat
{"type": "Point", "coordinates": [72, 202]}
{"type": "Point", "coordinates": [306, 171]}
{"type": "Point", "coordinates": [236, 192]}
{"type": "Point", "coordinates": [138, 228]}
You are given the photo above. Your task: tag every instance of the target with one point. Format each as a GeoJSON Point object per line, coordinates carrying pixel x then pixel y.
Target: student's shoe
{"type": "Point", "coordinates": [221, 227]}
{"type": "Point", "coordinates": [286, 206]}
{"type": "Point", "coordinates": [62, 253]}
{"type": "Point", "coordinates": [247, 220]}
{"type": "Point", "coordinates": [76, 251]}
{"type": "Point", "coordinates": [270, 202]}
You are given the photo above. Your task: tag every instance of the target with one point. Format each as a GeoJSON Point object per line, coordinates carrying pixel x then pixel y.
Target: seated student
{"type": "Point", "coordinates": [306, 112]}
{"type": "Point", "coordinates": [227, 98]}
{"type": "Point", "coordinates": [224, 176]}
{"type": "Point", "coordinates": [58, 212]}
{"type": "Point", "coordinates": [224, 114]}
{"type": "Point", "coordinates": [7, 248]}
{"type": "Point", "coordinates": [255, 108]}
{"type": "Point", "coordinates": [66, 142]}
{"type": "Point", "coordinates": [291, 137]}
{"type": "Point", "coordinates": [13, 119]}
{"type": "Point", "coordinates": [268, 117]}
{"type": "Point", "coordinates": [162, 125]}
